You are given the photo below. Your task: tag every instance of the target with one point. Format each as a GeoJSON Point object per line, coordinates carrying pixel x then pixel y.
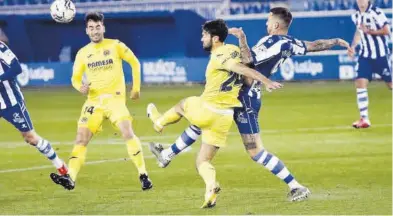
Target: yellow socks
{"type": "Point", "coordinates": [134, 148]}
{"type": "Point", "coordinates": [77, 159]}
{"type": "Point", "coordinates": [208, 173]}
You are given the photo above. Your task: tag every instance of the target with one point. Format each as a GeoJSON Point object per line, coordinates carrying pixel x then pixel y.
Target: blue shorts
{"type": "Point", "coordinates": [246, 117]}
{"type": "Point", "coordinates": [18, 116]}
{"type": "Point", "coordinates": [367, 66]}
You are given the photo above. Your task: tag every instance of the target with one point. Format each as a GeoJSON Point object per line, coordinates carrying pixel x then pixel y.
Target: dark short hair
{"type": "Point", "coordinates": [282, 13]}
{"type": "Point", "coordinates": [216, 27]}
{"type": "Point", "coordinates": [95, 16]}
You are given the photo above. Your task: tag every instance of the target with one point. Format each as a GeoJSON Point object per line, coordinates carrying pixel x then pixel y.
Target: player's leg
{"type": "Point", "coordinates": [208, 173]}
{"type": "Point", "coordinates": [135, 152]}
{"type": "Point", "coordinates": [89, 124]}
{"type": "Point", "coordinates": [45, 148]}
{"type": "Point", "coordinates": [364, 70]}
{"type": "Point", "coordinates": [76, 161]}
{"type": "Point", "coordinates": [196, 112]}
{"type": "Point", "coordinates": [186, 139]}
{"type": "Point", "coordinates": [248, 126]}
{"type": "Point", "coordinates": [20, 118]}
{"type": "Point", "coordinates": [254, 147]}
{"type": "Point", "coordinates": [171, 116]}
{"type": "Point", "coordinates": [383, 67]}
{"type": "Point", "coordinates": [214, 136]}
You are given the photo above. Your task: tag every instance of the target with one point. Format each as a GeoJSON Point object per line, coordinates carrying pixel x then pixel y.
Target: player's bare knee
{"type": "Point", "coordinates": [361, 83]}
{"type": "Point", "coordinates": [31, 137]}
{"type": "Point", "coordinates": [127, 134]}
{"type": "Point", "coordinates": [252, 144]}
{"type": "Point", "coordinates": [126, 130]}
{"type": "Point", "coordinates": [83, 136]}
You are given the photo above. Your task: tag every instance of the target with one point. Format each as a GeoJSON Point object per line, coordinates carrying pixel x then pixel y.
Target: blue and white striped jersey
{"type": "Point", "coordinates": [268, 54]}
{"type": "Point", "coordinates": [372, 46]}
{"type": "Point", "coordinates": [10, 94]}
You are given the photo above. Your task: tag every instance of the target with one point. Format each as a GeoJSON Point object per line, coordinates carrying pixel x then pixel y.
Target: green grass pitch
{"type": "Point", "coordinates": [307, 125]}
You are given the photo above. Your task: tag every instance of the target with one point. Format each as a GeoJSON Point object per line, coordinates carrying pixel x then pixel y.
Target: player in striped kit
{"type": "Point", "coordinates": [266, 56]}
{"type": "Point", "coordinates": [371, 33]}
{"type": "Point", "coordinates": [13, 108]}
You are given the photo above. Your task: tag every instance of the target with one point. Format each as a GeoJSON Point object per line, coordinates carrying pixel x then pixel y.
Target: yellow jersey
{"type": "Point", "coordinates": [102, 64]}
{"type": "Point", "coordinates": [223, 86]}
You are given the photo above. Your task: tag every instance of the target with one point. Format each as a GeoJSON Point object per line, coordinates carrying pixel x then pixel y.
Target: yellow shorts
{"type": "Point", "coordinates": [95, 111]}
{"type": "Point", "coordinates": [215, 123]}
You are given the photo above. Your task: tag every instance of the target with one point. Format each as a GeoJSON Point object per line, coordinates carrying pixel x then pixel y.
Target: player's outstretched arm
{"type": "Point", "coordinates": [255, 75]}
{"type": "Point", "coordinates": [127, 55]}
{"type": "Point", "coordinates": [321, 45]}
{"type": "Point", "coordinates": [245, 51]}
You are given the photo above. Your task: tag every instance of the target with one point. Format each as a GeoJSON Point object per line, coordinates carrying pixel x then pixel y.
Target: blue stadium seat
{"type": "Point", "coordinates": [46, 1]}
{"type": "Point", "coordinates": [33, 2]}
{"type": "Point", "coordinates": [234, 10]}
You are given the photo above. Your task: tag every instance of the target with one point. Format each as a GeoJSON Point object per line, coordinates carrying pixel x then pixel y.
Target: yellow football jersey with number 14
{"type": "Point", "coordinates": [223, 86]}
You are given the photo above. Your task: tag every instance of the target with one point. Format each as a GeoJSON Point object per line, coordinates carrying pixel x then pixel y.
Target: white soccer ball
{"type": "Point", "coordinates": [62, 11]}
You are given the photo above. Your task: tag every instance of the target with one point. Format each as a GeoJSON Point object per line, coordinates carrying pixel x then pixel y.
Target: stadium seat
{"type": "Point", "coordinates": [33, 2]}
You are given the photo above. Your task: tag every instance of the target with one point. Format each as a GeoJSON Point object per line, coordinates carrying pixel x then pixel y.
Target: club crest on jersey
{"type": "Point", "coordinates": [17, 118]}
{"type": "Point", "coordinates": [240, 118]}
{"type": "Point", "coordinates": [84, 120]}
{"type": "Point", "coordinates": [235, 54]}
{"type": "Point", "coordinates": [106, 52]}
{"type": "Point", "coordinates": [386, 72]}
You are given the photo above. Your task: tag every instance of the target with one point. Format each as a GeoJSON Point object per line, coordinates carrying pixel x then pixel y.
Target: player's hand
{"type": "Point", "coordinates": [273, 85]}
{"type": "Point", "coordinates": [135, 95]}
{"type": "Point", "coordinates": [237, 32]}
{"type": "Point", "coordinates": [351, 52]}
{"type": "Point", "coordinates": [85, 88]}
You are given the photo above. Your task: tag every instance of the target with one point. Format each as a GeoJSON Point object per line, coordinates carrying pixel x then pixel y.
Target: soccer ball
{"type": "Point", "coordinates": [62, 11]}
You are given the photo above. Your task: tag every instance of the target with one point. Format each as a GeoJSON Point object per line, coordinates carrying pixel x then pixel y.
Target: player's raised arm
{"type": "Point", "coordinates": [245, 52]}
{"type": "Point", "coordinates": [77, 75]}
{"type": "Point", "coordinates": [127, 55]}
{"type": "Point", "coordinates": [326, 44]}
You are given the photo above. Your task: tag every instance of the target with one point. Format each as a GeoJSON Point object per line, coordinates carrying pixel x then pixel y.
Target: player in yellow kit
{"type": "Point", "coordinates": [101, 62]}
{"type": "Point", "coordinates": [213, 111]}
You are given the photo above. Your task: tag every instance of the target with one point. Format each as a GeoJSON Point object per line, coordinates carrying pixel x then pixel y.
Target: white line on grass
{"type": "Point", "coordinates": [87, 163]}
{"type": "Point", "coordinates": [119, 141]}
{"type": "Point", "coordinates": [51, 166]}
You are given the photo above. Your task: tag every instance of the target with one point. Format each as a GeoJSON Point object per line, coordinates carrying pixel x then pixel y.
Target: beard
{"type": "Point", "coordinates": [96, 38]}
{"type": "Point", "coordinates": [208, 47]}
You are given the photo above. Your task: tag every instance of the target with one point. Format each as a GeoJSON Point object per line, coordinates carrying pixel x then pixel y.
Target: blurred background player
{"type": "Point", "coordinates": [266, 56]}
{"type": "Point", "coordinates": [13, 108]}
{"type": "Point", "coordinates": [212, 112]}
{"type": "Point", "coordinates": [371, 30]}
{"type": "Point", "coordinates": [101, 61]}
